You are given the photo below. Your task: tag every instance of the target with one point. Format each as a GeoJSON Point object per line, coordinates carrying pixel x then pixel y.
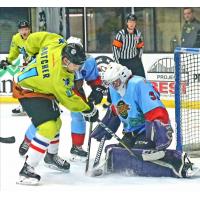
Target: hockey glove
{"type": "Point", "coordinates": [91, 115]}
{"type": "Point", "coordinates": [4, 64]}
{"type": "Point", "coordinates": [159, 133]}
{"type": "Point", "coordinates": [96, 95]}
{"type": "Point", "coordinates": [111, 121]}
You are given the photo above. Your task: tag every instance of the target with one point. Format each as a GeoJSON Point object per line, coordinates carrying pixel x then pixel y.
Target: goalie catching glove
{"type": "Point", "coordinates": [96, 95]}
{"type": "Point", "coordinates": [91, 115]}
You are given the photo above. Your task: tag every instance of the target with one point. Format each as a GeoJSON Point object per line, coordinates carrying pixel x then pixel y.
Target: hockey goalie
{"type": "Point", "coordinates": [147, 131]}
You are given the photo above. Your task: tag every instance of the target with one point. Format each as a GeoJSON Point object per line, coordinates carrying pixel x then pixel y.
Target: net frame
{"type": "Point", "coordinates": [187, 99]}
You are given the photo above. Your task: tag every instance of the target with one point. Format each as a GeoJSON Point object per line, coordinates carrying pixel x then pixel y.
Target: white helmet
{"type": "Point", "coordinates": [116, 71]}
{"type": "Point", "coordinates": [74, 40]}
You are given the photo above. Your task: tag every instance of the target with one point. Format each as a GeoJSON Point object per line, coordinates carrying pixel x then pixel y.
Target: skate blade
{"type": "Point", "coordinates": [76, 158]}
{"type": "Point", "coordinates": [19, 114]}
{"type": "Point", "coordinates": [50, 166]}
{"type": "Point", "coordinates": [99, 170]}
{"type": "Point", "coordinates": [27, 181]}
{"type": "Point", "coordinates": [95, 172]}
{"type": "Point", "coordinates": [194, 172]}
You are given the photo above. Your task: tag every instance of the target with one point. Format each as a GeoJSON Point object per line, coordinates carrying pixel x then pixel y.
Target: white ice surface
{"type": "Point", "coordinates": [75, 184]}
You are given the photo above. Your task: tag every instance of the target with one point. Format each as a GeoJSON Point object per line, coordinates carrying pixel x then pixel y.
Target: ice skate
{"type": "Point", "coordinates": [18, 111]}
{"type": "Point", "coordinates": [27, 176]}
{"type": "Point", "coordinates": [189, 169]}
{"type": "Point", "coordinates": [23, 148]}
{"type": "Point", "coordinates": [78, 154]}
{"type": "Point", "coordinates": [53, 161]}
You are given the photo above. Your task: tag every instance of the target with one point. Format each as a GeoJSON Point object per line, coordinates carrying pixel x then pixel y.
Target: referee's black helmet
{"type": "Point", "coordinates": [131, 17]}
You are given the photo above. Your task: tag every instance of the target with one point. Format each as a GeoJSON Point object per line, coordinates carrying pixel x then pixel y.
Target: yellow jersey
{"type": "Point", "coordinates": [46, 75]}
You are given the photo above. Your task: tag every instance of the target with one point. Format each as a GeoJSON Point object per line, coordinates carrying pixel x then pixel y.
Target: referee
{"type": "Point", "coordinates": [128, 47]}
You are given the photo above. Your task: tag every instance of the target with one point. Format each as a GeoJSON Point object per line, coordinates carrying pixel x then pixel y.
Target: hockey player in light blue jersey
{"type": "Point", "coordinates": [89, 73]}
{"type": "Point", "coordinates": [146, 128]}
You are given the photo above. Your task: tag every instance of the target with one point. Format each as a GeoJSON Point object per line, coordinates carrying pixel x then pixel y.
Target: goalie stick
{"type": "Point", "coordinates": [8, 140]}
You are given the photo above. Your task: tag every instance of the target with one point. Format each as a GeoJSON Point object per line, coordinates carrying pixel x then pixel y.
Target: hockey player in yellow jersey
{"type": "Point", "coordinates": [16, 48]}
{"type": "Point", "coordinates": [38, 40]}
{"type": "Point", "coordinates": [50, 77]}
{"type": "Point", "coordinates": [18, 43]}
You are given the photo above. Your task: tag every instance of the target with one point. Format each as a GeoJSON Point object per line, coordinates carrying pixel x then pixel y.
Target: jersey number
{"type": "Point", "coordinates": [153, 96]}
{"type": "Point", "coordinates": [27, 74]}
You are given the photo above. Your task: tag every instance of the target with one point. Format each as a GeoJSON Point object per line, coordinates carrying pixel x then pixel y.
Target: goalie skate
{"type": "Point", "coordinates": [27, 176]}
{"type": "Point", "coordinates": [189, 168]}
{"type": "Point", "coordinates": [193, 172]}
{"type": "Point", "coordinates": [78, 154]}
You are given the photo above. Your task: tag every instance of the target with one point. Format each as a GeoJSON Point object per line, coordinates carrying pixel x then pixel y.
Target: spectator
{"type": "Point", "coordinates": [191, 30]}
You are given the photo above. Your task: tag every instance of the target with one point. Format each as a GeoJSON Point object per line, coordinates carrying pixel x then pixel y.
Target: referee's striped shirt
{"type": "Point", "coordinates": [125, 44]}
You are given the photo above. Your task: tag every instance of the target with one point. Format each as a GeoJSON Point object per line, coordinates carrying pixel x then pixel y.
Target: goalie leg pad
{"type": "Point", "coordinates": [120, 161]}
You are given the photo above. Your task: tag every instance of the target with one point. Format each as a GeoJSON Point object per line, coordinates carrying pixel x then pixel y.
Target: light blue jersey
{"type": "Point", "coordinates": [89, 70]}
{"type": "Point", "coordinates": [140, 98]}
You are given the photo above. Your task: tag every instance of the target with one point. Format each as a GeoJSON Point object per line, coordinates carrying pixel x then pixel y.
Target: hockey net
{"type": "Point", "coordinates": [187, 99]}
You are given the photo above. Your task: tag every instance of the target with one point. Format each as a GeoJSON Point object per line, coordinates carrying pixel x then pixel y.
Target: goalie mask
{"type": "Point", "coordinates": [74, 53]}
{"type": "Point", "coordinates": [117, 75]}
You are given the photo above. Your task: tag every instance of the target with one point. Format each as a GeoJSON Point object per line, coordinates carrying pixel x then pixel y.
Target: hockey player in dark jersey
{"type": "Point", "coordinates": [146, 129]}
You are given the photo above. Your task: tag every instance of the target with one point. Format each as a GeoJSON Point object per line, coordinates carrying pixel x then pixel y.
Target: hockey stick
{"type": "Point", "coordinates": [147, 156]}
{"type": "Point", "coordinates": [88, 148]}
{"type": "Point", "coordinates": [99, 152]}
{"type": "Point", "coordinates": [8, 140]}
{"type": "Point", "coordinates": [96, 168]}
